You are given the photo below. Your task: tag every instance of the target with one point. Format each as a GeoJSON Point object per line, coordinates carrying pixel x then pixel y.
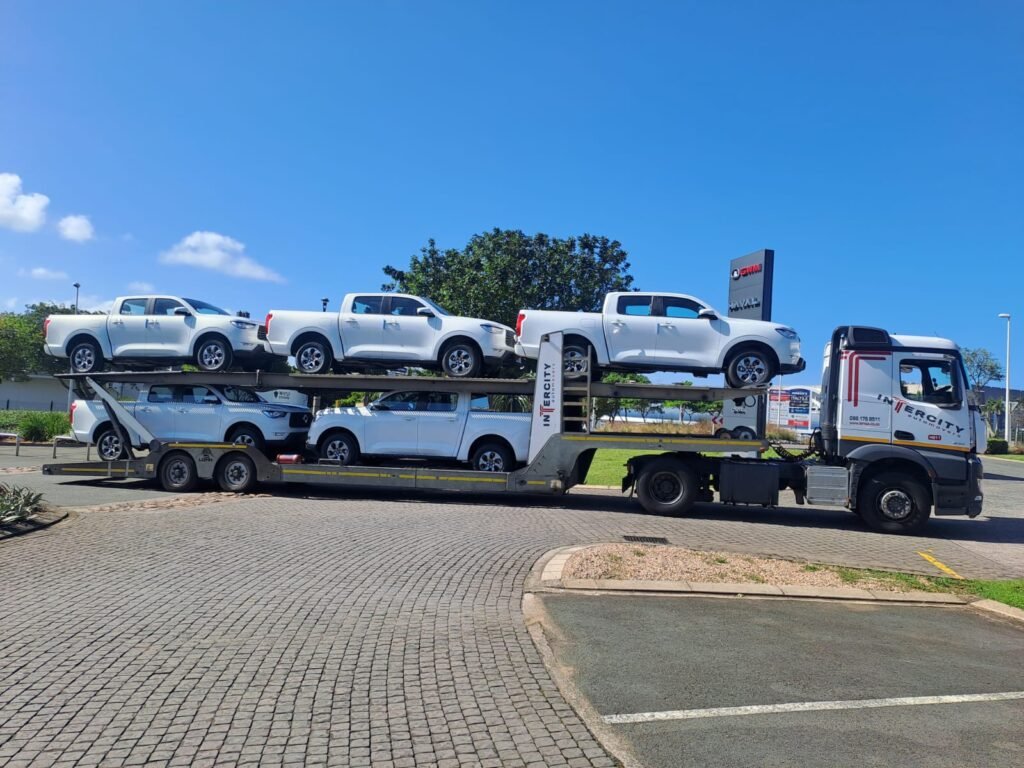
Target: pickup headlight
{"type": "Point", "coordinates": [242, 324]}
{"type": "Point", "coordinates": [496, 329]}
{"type": "Point", "coordinates": [787, 333]}
{"type": "Point", "coordinates": [274, 414]}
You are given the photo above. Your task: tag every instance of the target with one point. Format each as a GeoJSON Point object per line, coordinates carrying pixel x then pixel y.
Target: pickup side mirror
{"type": "Point", "coordinates": [425, 312]}
{"type": "Point", "coordinates": [376, 407]}
{"type": "Point", "coordinates": [211, 400]}
{"type": "Point", "coordinates": [708, 314]}
{"type": "Point", "coordinates": [182, 312]}
{"type": "Point", "coordinates": [242, 314]}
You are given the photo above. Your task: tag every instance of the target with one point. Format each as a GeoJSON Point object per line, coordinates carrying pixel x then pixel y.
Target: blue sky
{"type": "Point", "coordinates": [875, 146]}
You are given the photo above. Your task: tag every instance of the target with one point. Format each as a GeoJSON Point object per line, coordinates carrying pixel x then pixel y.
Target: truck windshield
{"type": "Point", "coordinates": [438, 309]}
{"type": "Point", "coordinates": [240, 395]}
{"type": "Point", "coordinates": [205, 309]}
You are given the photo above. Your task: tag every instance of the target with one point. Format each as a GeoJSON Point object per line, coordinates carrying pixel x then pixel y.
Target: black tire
{"type": "Point", "coordinates": [247, 435]}
{"type": "Point", "coordinates": [178, 473]}
{"type": "Point", "coordinates": [109, 446]}
{"type": "Point", "coordinates": [236, 473]}
{"type": "Point", "coordinates": [339, 446]}
{"type": "Point", "coordinates": [893, 503]}
{"type": "Point", "coordinates": [213, 354]}
{"type": "Point", "coordinates": [314, 357]}
{"type": "Point", "coordinates": [492, 456]}
{"type": "Point", "coordinates": [85, 357]}
{"type": "Point", "coordinates": [744, 433]}
{"type": "Point", "coordinates": [751, 367]}
{"type": "Point", "coordinates": [576, 360]}
{"type": "Point", "coordinates": [667, 486]}
{"type": "Point", "coordinates": [723, 434]}
{"type": "Point", "coordinates": [461, 359]}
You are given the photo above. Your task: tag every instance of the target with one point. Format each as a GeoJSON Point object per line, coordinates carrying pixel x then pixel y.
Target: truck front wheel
{"type": "Point", "coordinates": [750, 368]}
{"type": "Point", "coordinates": [85, 357]}
{"type": "Point", "coordinates": [340, 447]}
{"type": "Point", "coordinates": [893, 503]}
{"type": "Point", "coordinates": [667, 486]}
{"type": "Point", "coordinates": [461, 360]}
{"type": "Point", "coordinates": [213, 355]}
{"type": "Point", "coordinates": [178, 473]}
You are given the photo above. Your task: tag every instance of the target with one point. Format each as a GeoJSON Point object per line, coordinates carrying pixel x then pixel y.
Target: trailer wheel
{"type": "Point", "coordinates": [894, 503]}
{"type": "Point", "coordinates": [109, 446]}
{"type": "Point", "coordinates": [213, 355]}
{"type": "Point", "coordinates": [340, 447]}
{"type": "Point", "coordinates": [667, 486]}
{"type": "Point", "coordinates": [178, 473]}
{"type": "Point", "coordinates": [85, 357]}
{"type": "Point", "coordinates": [492, 457]}
{"type": "Point", "coordinates": [744, 433]}
{"type": "Point", "coordinates": [236, 473]}
{"type": "Point", "coordinates": [314, 356]}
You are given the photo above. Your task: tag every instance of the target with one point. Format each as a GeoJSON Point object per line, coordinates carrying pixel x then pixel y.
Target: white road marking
{"type": "Point", "coordinates": [807, 706]}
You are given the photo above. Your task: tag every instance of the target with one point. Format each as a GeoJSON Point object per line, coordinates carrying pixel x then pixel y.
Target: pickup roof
{"type": "Point", "coordinates": [491, 432]}
{"type": "Point", "coordinates": [155, 330]}
{"type": "Point", "coordinates": [664, 332]}
{"type": "Point", "coordinates": [200, 413]}
{"type": "Point", "coordinates": [388, 330]}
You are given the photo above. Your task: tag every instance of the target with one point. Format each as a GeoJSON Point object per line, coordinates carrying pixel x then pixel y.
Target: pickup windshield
{"type": "Point", "coordinates": [205, 309]}
{"type": "Point", "coordinates": [240, 395]}
{"type": "Point", "coordinates": [438, 309]}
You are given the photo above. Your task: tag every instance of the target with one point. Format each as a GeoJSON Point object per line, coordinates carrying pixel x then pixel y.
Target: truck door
{"type": "Point", "coordinates": [362, 327]}
{"type": "Point", "coordinates": [632, 330]}
{"type": "Point", "coordinates": [441, 423]}
{"type": "Point", "coordinates": [865, 397]}
{"type": "Point", "coordinates": [683, 338]}
{"type": "Point", "coordinates": [391, 429]}
{"type": "Point", "coordinates": [197, 414]}
{"type": "Point", "coordinates": [168, 334]}
{"type": "Point", "coordinates": [156, 411]}
{"type": "Point", "coordinates": [929, 408]}
{"type": "Point", "coordinates": [407, 335]}
{"type": "Point", "coordinates": [128, 328]}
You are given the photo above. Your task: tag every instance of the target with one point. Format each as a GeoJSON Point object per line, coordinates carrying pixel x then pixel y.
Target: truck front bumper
{"type": "Point", "coordinates": [796, 367]}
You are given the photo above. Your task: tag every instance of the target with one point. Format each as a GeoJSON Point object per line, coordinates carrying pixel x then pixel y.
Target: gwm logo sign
{"type": "Point", "coordinates": [753, 269]}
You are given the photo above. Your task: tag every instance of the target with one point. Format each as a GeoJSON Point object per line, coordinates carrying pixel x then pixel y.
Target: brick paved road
{"type": "Point", "coordinates": [343, 631]}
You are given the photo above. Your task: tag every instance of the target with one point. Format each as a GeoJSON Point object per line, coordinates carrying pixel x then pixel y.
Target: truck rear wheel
{"type": "Point", "coordinates": [178, 473]}
{"type": "Point", "coordinates": [492, 457]}
{"type": "Point", "coordinates": [314, 357]}
{"type": "Point", "coordinates": [236, 473]}
{"type": "Point", "coordinates": [109, 446]}
{"type": "Point", "coordinates": [893, 503]}
{"type": "Point", "coordinates": [667, 486]}
{"type": "Point", "coordinates": [575, 360]}
{"type": "Point", "coordinates": [85, 357]}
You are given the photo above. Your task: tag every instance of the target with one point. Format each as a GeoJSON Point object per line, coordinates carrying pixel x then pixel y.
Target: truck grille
{"type": "Point", "coordinates": [300, 419]}
{"type": "Point", "coordinates": [510, 339]}
{"type": "Point", "coordinates": [261, 333]}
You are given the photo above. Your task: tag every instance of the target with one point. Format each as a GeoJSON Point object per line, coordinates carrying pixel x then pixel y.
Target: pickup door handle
{"type": "Point", "coordinates": [117, 322]}
{"type": "Point", "coordinates": [899, 434]}
{"type": "Point", "coordinates": [409, 418]}
{"type": "Point", "coordinates": [390, 322]}
{"type": "Point", "coordinates": [146, 409]}
{"type": "Point", "coordinates": [617, 322]}
{"type": "Point", "coordinates": [351, 321]}
{"type": "Point", "coordinates": [666, 325]}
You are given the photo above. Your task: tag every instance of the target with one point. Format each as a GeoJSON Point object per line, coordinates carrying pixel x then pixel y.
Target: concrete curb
{"type": "Point", "coordinates": [49, 517]}
{"type": "Point", "coordinates": [993, 606]}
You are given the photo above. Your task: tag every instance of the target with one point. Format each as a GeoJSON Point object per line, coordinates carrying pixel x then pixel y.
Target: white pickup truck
{"type": "Point", "coordinates": [202, 413]}
{"type": "Point", "coordinates": [388, 330]}
{"type": "Point", "coordinates": [155, 330]}
{"type": "Point", "coordinates": [490, 432]}
{"type": "Point", "coordinates": [664, 332]}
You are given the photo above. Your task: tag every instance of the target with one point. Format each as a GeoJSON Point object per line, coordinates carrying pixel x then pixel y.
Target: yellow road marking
{"type": "Point", "coordinates": [940, 565]}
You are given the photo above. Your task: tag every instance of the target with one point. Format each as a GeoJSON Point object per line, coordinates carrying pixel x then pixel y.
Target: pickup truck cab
{"type": "Point", "coordinates": [388, 330]}
{"type": "Point", "coordinates": [157, 330]}
{"type": "Point", "coordinates": [664, 332]}
{"type": "Point", "coordinates": [194, 413]}
{"type": "Point", "coordinates": [490, 432]}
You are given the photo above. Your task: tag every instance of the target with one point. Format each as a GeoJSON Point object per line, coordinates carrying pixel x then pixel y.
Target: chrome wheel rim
{"type": "Point", "coordinates": [751, 369]}
{"type": "Point", "coordinates": [491, 461]}
{"type": "Point", "coordinates": [245, 439]}
{"type": "Point", "coordinates": [236, 473]}
{"type": "Point", "coordinates": [83, 358]}
{"type": "Point", "coordinates": [896, 504]}
{"type": "Point", "coordinates": [337, 450]}
{"type": "Point", "coordinates": [212, 355]}
{"type": "Point", "coordinates": [575, 361]}
{"type": "Point", "coordinates": [178, 472]}
{"type": "Point", "coordinates": [109, 446]}
{"type": "Point", "coordinates": [460, 361]}
{"type": "Point", "coordinates": [666, 488]}
{"type": "Point", "coordinates": [311, 358]}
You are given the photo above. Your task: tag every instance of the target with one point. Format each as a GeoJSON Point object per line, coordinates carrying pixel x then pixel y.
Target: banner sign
{"type": "Point", "coordinates": [547, 408]}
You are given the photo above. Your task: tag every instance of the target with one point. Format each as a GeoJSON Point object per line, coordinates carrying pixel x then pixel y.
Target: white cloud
{"type": "Point", "coordinates": [22, 213]}
{"type": "Point", "coordinates": [90, 302]}
{"type": "Point", "coordinates": [140, 286]}
{"type": "Point", "coordinates": [76, 228]}
{"type": "Point", "coordinates": [209, 250]}
{"type": "Point", "coordinates": [42, 273]}
{"type": "Point", "coordinates": [11, 303]}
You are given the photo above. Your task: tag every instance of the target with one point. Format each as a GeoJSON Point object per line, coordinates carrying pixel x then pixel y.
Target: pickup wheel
{"type": "Point", "coordinates": [178, 473]}
{"type": "Point", "coordinates": [213, 355]}
{"type": "Point", "coordinates": [492, 457]}
{"type": "Point", "coordinates": [893, 503]}
{"type": "Point", "coordinates": [340, 447]}
{"type": "Point", "coordinates": [249, 436]}
{"type": "Point", "coordinates": [575, 360]}
{"type": "Point", "coordinates": [667, 486]}
{"type": "Point", "coordinates": [313, 357]}
{"type": "Point", "coordinates": [750, 368]}
{"type": "Point", "coordinates": [461, 360]}
{"type": "Point", "coordinates": [236, 473]}
{"type": "Point", "coordinates": [85, 357]}
{"type": "Point", "coordinates": [109, 446]}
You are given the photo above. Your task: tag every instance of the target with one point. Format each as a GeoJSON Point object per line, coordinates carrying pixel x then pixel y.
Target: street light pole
{"type": "Point", "coordinates": [1006, 403]}
{"type": "Point", "coordinates": [77, 286]}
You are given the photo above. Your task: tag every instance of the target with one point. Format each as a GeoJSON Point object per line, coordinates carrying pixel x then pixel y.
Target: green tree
{"type": "Point", "coordinates": [991, 411]}
{"type": "Point", "coordinates": [611, 407]}
{"type": "Point", "coordinates": [982, 368]}
{"type": "Point", "coordinates": [693, 406]}
{"type": "Point", "coordinates": [19, 342]}
{"type": "Point", "coordinates": [502, 271]}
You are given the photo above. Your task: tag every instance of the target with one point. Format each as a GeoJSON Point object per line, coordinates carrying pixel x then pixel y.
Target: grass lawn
{"type": "Point", "coordinates": [1010, 591]}
{"type": "Point", "coordinates": [1010, 456]}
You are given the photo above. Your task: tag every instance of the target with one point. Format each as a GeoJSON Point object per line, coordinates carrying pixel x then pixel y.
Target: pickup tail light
{"type": "Point", "coordinates": [46, 327]}
{"type": "Point", "coordinates": [71, 412]}
{"type": "Point", "coordinates": [519, 323]}
{"type": "Point", "coordinates": [270, 316]}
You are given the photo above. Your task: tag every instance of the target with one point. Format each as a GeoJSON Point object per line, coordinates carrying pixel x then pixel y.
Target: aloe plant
{"type": "Point", "coordinates": [18, 503]}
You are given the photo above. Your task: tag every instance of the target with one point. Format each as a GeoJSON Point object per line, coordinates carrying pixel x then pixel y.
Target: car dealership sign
{"type": "Point", "coordinates": [750, 285]}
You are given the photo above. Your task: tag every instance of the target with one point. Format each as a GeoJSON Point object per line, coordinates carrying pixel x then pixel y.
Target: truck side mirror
{"type": "Point", "coordinates": [182, 312]}
{"type": "Point", "coordinates": [707, 314]}
{"type": "Point", "coordinates": [425, 312]}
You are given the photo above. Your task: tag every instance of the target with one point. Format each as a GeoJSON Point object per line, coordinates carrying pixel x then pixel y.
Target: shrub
{"type": "Point", "coordinates": [783, 435]}
{"type": "Point", "coordinates": [996, 446]}
{"type": "Point", "coordinates": [18, 503]}
{"type": "Point", "coordinates": [40, 426]}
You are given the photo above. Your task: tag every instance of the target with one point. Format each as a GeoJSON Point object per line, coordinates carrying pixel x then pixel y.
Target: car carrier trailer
{"type": "Point", "coordinates": [860, 461]}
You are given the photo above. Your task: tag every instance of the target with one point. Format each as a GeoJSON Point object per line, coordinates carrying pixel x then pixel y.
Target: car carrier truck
{"type": "Point", "coordinates": [898, 442]}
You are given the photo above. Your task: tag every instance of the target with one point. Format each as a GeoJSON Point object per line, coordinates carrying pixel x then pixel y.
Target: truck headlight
{"type": "Point", "coordinates": [274, 414]}
{"type": "Point", "coordinates": [496, 329]}
{"type": "Point", "coordinates": [242, 324]}
{"type": "Point", "coordinates": [787, 333]}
